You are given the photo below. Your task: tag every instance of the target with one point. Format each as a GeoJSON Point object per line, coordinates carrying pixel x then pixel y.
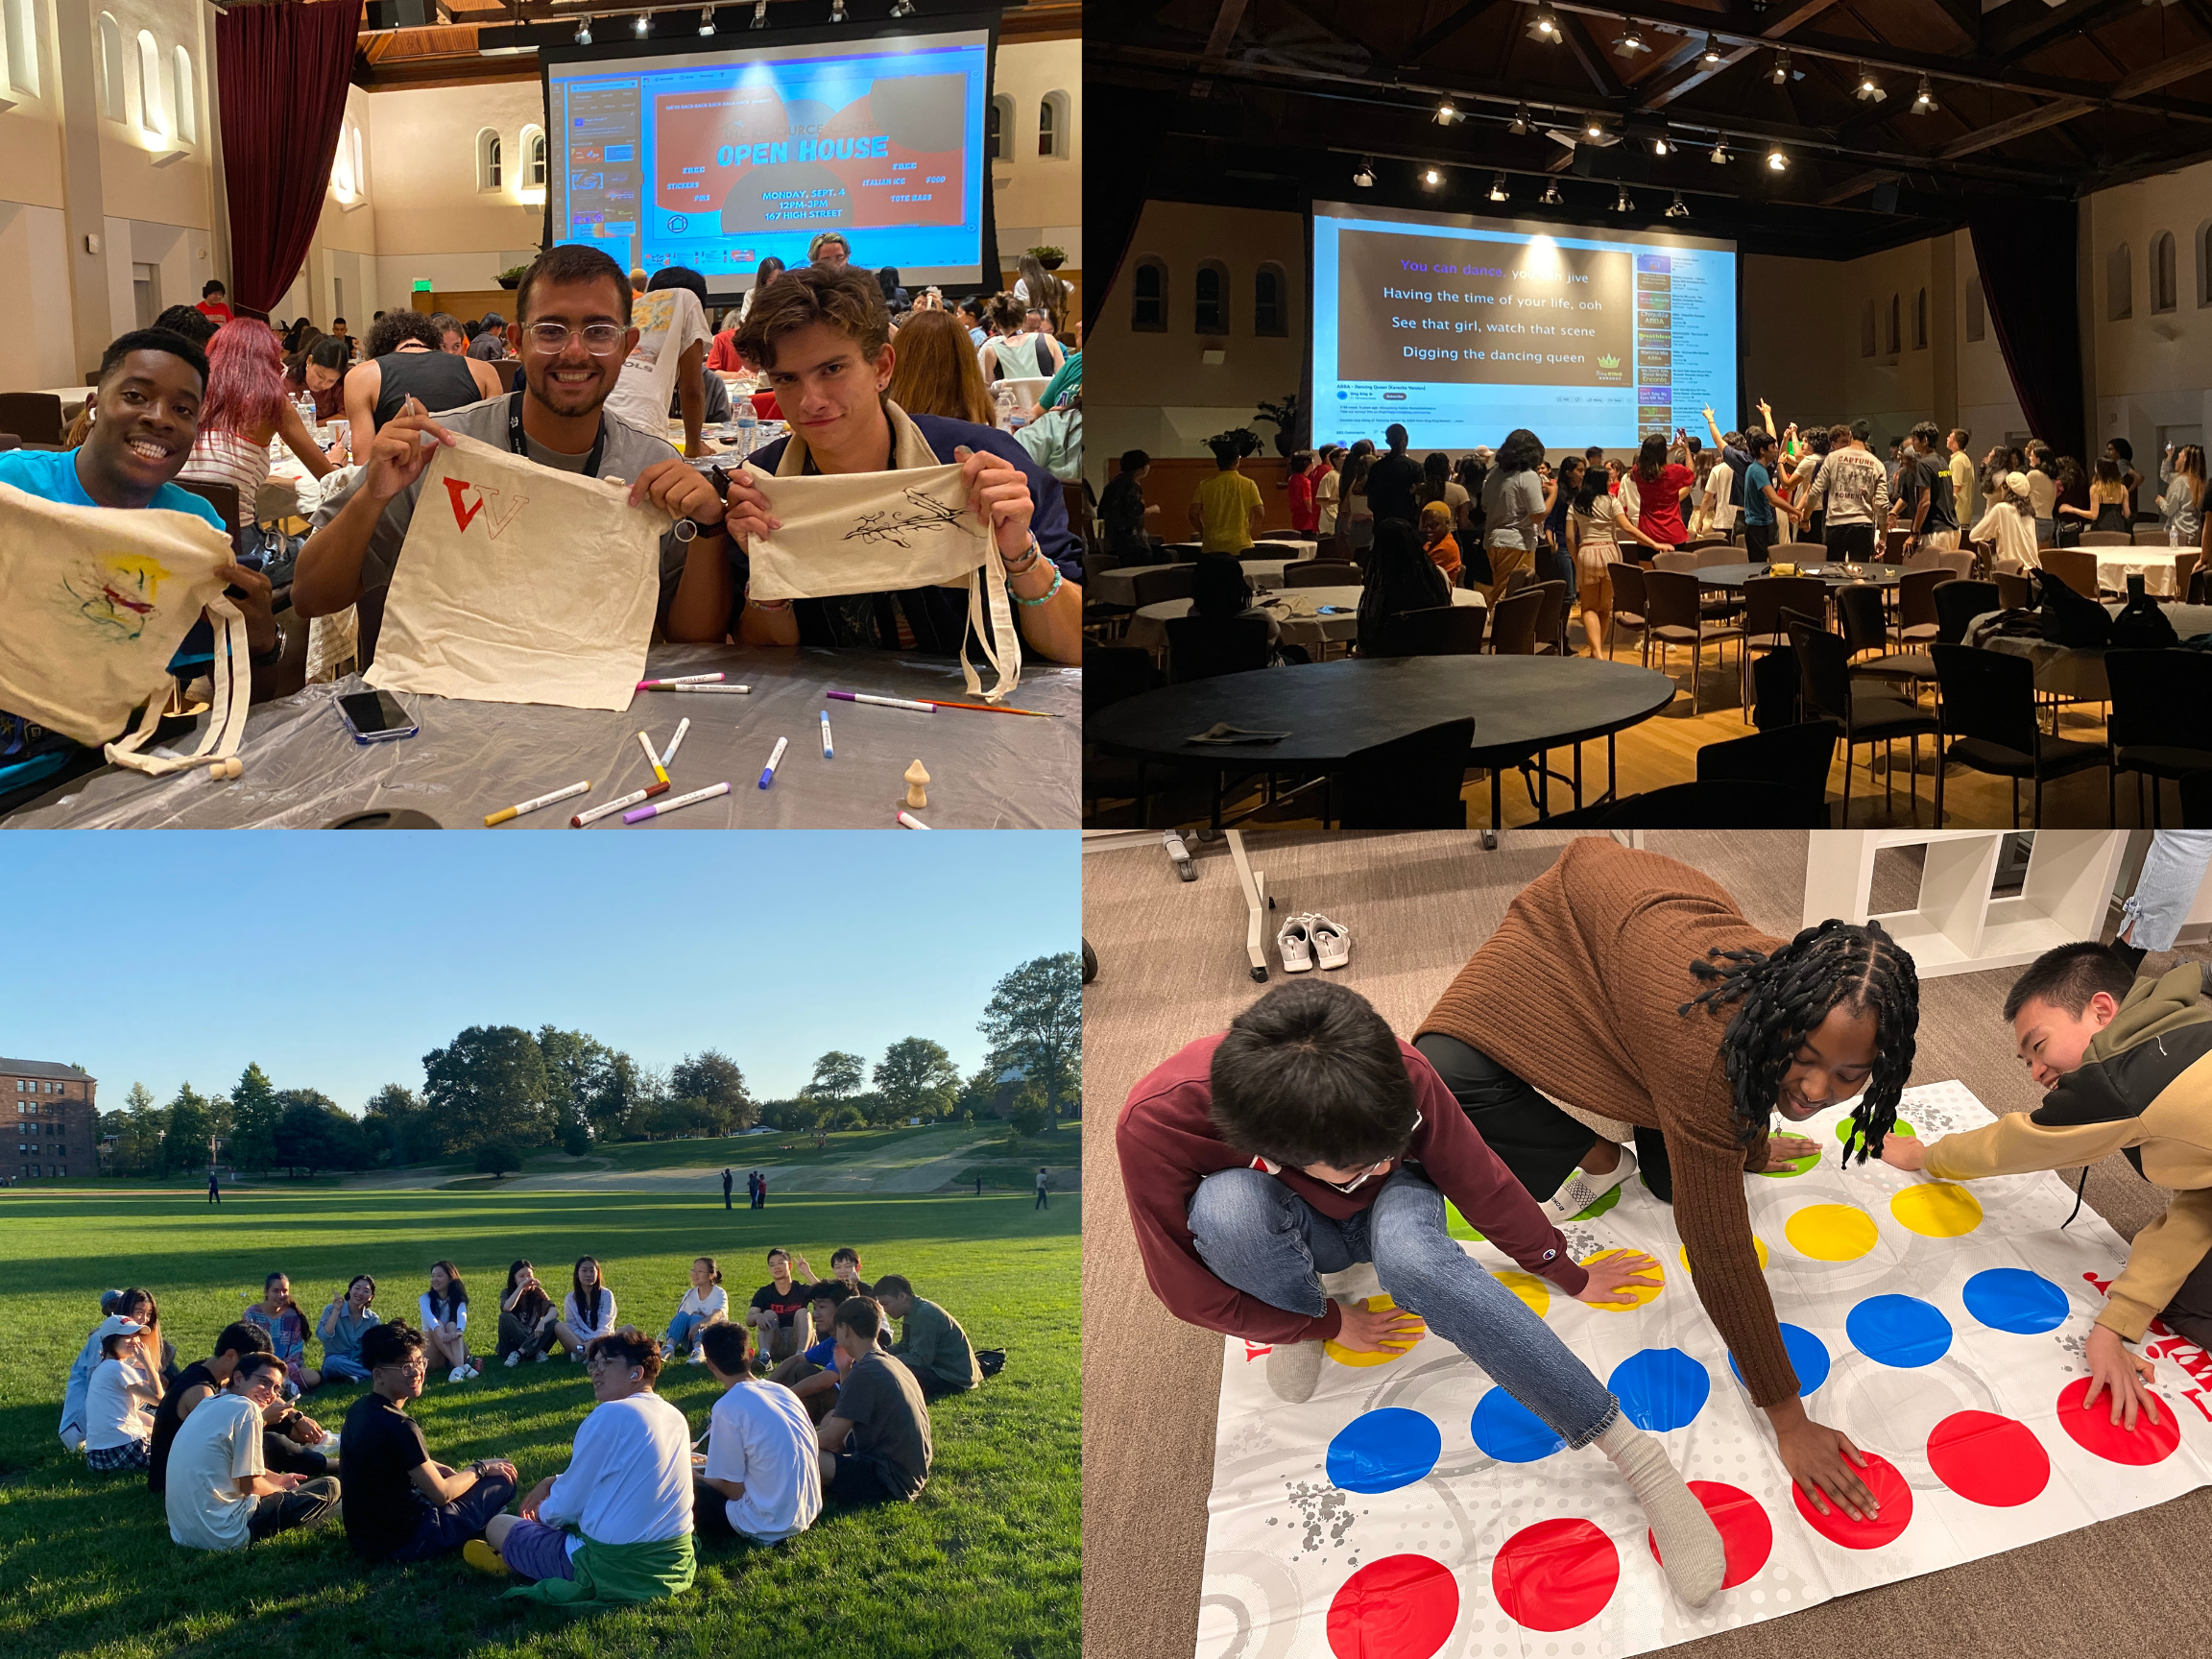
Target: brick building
{"type": "Point", "coordinates": [57, 1124]}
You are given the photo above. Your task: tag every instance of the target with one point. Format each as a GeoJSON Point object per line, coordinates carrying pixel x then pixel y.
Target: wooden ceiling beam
{"type": "Point", "coordinates": [2015, 127]}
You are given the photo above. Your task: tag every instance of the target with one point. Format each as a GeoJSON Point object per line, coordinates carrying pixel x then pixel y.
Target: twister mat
{"type": "Point", "coordinates": [1412, 1508]}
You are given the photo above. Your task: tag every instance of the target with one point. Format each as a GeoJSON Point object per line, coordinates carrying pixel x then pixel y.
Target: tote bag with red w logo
{"type": "Point", "coordinates": [520, 584]}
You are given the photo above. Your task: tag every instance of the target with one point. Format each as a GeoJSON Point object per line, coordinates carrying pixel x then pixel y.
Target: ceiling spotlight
{"type": "Point", "coordinates": [1925, 102]}
{"type": "Point", "coordinates": [641, 25]}
{"type": "Point", "coordinates": [1776, 161]}
{"type": "Point", "coordinates": [1620, 203]}
{"type": "Point", "coordinates": [1593, 128]}
{"type": "Point", "coordinates": [1552, 197]}
{"type": "Point", "coordinates": [759, 13]}
{"type": "Point", "coordinates": [1720, 151]}
{"type": "Point", "coordinates": [1520, 121]}
{"type": "Point", "coordinates": [1446, 114]}
{"type": "Point", "coordinates": [1431, 177]}
{"type": "Point", "coordinates": [1659, 145]}
{"type": "Point", "coordinates": [1676, 210]}
{"type": "Point", "coordinates": [584, 33]}
{"type": "Point", "coordinates": [1781, 75]}
{"type": "Point", "coordinates": [1497, 188]}
{"type": "Point", "coordinates": [1547, 23]}
{"type": "Point", "coordinates": [1364, 178]}
{"type": "Point", "coordinates": [1868, 88]}
{"type": "Point", "coordinates": [706, 19]}
{"type": "Point", "coordinates": [1711, 55]}
{"type": "Point", "coordinates": [1631, 40]}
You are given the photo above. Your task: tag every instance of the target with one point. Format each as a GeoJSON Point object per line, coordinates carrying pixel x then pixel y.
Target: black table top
{"type": "Point", "coordinates": [1333, 710]}
{"type": "Point", "coordinates": [1834, 575]}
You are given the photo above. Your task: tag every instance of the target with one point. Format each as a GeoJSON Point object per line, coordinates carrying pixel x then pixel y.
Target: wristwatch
{"type": "Point", "coordinates": [269, 658]}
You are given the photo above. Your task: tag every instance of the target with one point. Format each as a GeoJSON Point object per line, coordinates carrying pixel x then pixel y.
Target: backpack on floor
{"type": "Point", "coordinates": [989, 1360]}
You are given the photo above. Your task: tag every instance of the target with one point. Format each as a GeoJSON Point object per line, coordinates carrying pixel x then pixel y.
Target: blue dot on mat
{"type": "Point", "coordinates": [2014, 1299]}
{"type": "Point", "coordinates": [1901, 1330]}
{"type": "Point", "coordinates": [1509, 1432]}
{"type": "Point", "coordinates": [1660, 1387]}
{"type": "Point", "coordinates": [1808, 1357]}
{"type": "Point", "coordinates": [1382, 1451]}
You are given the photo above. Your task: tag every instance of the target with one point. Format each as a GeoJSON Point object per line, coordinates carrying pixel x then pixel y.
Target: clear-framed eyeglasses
{"type": "Point", "coordinates": [1373, 1170]}
{"type": "Point", "coordinates": [600, 339]}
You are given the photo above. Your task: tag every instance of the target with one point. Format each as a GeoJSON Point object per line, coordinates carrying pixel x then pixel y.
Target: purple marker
{"type": "Point", "coordinates": [659, 807]}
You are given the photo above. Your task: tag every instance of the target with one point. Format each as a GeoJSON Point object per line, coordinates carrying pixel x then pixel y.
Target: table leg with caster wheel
{"type": "Point", "coordinates": [1257, 904]}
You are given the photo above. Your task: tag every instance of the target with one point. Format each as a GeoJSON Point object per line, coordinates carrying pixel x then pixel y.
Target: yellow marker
{"type": "Point", "coordinates": [653, 758]}
{"type": "Point", "coordinates": [506, 812]}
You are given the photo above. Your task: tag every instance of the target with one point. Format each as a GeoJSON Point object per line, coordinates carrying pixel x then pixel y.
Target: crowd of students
{"type": "Point", "coordinates": [842, 1416]}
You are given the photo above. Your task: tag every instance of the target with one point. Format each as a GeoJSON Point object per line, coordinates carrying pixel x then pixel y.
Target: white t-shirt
{"type": "Point", "coordinates": [575, 1317]}
{"type": "Point", "coordinates": [1722, 485]}
{"type": "Point", "coordinates": [759, 1434]}
{"type": "Point", "coordinates": [668, 322]}
{"type": "Point", "coordinates": [629, 1477]}
{"type": "Point", "coordinates": [422, 1306]}
{"type": "Point", "coordinates": [218, 1444]}
{"type": "Point", "coordinates": [118, 1406]}
{"type": "Point", "coordinates": [716, 1301]}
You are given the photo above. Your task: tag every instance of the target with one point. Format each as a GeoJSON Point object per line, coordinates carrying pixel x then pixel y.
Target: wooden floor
{"type": "Point", "coordinates": [1663, 750]}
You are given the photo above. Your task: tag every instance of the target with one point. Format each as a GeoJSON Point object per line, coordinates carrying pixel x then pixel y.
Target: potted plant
{"type": "Point", "coordinates": [1284, 418]}
{"type": "Point", "coordinates": [1243, 439]}
{"type": "Point", "coordinates": [511, 277]}
{"type": "Point", "coordinates": [1049, 256]}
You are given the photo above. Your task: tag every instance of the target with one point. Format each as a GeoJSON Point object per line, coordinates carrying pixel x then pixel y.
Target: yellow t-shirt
{"type": "Point", "coordinates": [1225, 503]}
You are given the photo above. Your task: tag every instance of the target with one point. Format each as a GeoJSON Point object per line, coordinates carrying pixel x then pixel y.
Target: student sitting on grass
{"type": "Point", "coordinates": [588, 1310]}
{"type": "Point", "coordinates": [278, 1319]}
{"type": "Point", "coordinates": [931, 1340]}
{"type": "Point", "coordinates": [2123, 1060]}
{"type": "Point", "coordinates": [615, 1524]}
{"type": "Point", "coordinates": [342, 1325]}
{"type": "Point", "coordinates": [220, 1493]}
{"type": "Point", "coordinates": [704, 1303]}
{"type": "Point", "coordinates": [845, 1268]}
{"type": "Point", "coordinates": [400, 1504]}
{"type": "Point", "coordinates": [812, 1376]}
{"type": "Point", "coordinates": [119, 1403]}
{"type": "Point", "coordinates": [529, 1324]}
{"type": "Point", "coordinates": [445, 1310]}
{"type": "Point", "coordinates": [115, 1307]}
{"type": "Point", "coordinates": [875, 1445]}
{"type": "Point", "coordinates": [762, 1481]}
{"type": "Point", "coordinates": [289, 1436]}
{"type": "Point", "coordinates": [1307, 1139]}
{"type": "Point", "coordinates": [779, 1310]}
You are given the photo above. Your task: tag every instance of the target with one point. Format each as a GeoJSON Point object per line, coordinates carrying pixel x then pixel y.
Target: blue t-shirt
{"type": "Point", "coordinates": [820, 1352]}
{"type": "Point", "coordinates": [1757, 509]}
{"type": "Point", "coordinates": [29, 751]}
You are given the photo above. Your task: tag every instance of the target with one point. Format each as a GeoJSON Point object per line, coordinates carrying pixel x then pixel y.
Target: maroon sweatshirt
{"type": "Point", "coordinates": [1167, 1145]}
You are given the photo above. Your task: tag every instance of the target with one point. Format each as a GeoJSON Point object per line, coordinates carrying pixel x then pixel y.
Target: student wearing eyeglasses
{"type": "Point", "coordinates": [1308, 1137]}
{"type": "Point", "coordinates": [574, 336]}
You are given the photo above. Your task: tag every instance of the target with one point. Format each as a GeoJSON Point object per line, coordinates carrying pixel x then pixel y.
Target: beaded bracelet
{"type": "Point", "coordinates": [1059, 580]}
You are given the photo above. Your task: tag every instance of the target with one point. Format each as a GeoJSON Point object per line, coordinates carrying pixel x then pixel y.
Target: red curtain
{"type": "Point", "coordinates": [281, 72]}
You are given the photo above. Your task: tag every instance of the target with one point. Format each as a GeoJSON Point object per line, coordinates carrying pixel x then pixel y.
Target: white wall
{"type": "Point", "coordinates": [1039, 199]}
{"type": "Point", "coordinates": [2152, 369]}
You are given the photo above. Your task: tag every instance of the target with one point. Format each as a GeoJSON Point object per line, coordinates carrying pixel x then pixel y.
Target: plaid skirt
{"type": "Point", "coordinates": [131, 1455]}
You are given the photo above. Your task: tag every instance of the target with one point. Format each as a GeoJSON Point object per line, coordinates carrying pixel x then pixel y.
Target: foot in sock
{"type": "Point", "coordinates": [1690, 1546]}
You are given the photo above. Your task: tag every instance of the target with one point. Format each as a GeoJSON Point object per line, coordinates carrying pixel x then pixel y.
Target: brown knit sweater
{"type": "Point", "coordinates": [1576, 992]}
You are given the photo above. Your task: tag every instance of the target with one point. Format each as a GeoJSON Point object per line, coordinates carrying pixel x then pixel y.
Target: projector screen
{"type": "Point", "coordinates": [719, 158]}
{"type": "Point", "coordinates": [1462, 329]}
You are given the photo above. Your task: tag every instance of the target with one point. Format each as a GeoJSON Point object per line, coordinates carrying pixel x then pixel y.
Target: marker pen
{"type": "Point", "coordinates": [679, 680]}
{"type": "Point", "coordinates": [827, 752]}
{"type": "Point", "coordinates": [629, 799]}
{"type": "Point", "coordinates": [724, 690]}
{"type": "Point", "coordinates": [653, 758]}
{"type": "Point", "coordinates": [670, 754]}
{"type": "Point", "coordinates": [775, 759]}
{"type": "Point", "coordinates": [506, 812]}
{"type": "Point", "coordinates": [659, 807]}
{"type": "Point", "coordinates": [885, 702]}
{"type": "Point", "coordinates": [911, 822]}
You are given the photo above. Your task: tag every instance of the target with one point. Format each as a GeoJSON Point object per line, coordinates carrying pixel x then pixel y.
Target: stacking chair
{"type": "Point", "coordinates": [1410, 782]}
{"type": "Point", "coordinates": [2159, 727]}
{"type": "Point", "coordinates": [1440, 631]}
{"type": "Point", "coordinates": [1628, 603]}
{"type": "Point", "coordinates": [1551, 619]}
{"type": "Point", "coordinates": [1959, 603]}
{"type": "Point", "coordinates": [1519, 577]}
{"type": "Point", "coordinates": [1765, 601]}
{"type": "Point", "coordinates": [1916, 620]}
{"type": "Point", "coordinates": [1866, 713]}
{"type": "Point", "coordinates": [1674, 617]}
{"type": "Point", "coordinates": [1107, 618]}
{"type": "Point", "coordinates": [2014, 592]}
{"type": "Point", "coordinates": [2107, 539]}
{"type": "Point", "coordinates": [1322, 573]}
{"type": "Point", "coordinates": [1731, 804]}
{"type": "Point", "coordinates": [2149, 535]}
{"type": "Point", "coordinates": [1201, 647]}
{"type": "Point", "coordinates": [2073, 567]}
{"type": "Point", "coordinates": [1860, 607]}
{"type": "Point", "coordinates": [1513, 624]}
{"type": "Point", "coordinates": [1177, 582]}
{"type": "Point", "coordinates": [1679, 559]}
{"type": "Point", "coordinates": [1793, 758]}
{"type": "Point", "coordinates": [224, 498]}
{"type": "Point", "coordinates": [1988, 709]}
{"type": "Point", "coordinates": [34, 416]}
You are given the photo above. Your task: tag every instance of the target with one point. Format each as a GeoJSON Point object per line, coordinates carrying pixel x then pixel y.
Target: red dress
{"type": "Point", "coordinates": [1659, 506]}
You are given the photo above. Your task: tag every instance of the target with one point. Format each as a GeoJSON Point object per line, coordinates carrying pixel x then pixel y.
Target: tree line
{"type": "Point", "coordinates": [502, 1088]}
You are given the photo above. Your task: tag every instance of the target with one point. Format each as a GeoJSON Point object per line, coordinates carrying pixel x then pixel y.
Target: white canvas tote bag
{"type": "Point", "coordinates": [520, 584]}
{"type": "Point", "coordinates": [97, 600]}
{"type": "Point", "coordinates": [883, 533]}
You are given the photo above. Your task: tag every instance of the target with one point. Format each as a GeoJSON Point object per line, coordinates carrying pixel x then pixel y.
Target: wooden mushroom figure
{"type": "Point", "coordinates": [916, 777]}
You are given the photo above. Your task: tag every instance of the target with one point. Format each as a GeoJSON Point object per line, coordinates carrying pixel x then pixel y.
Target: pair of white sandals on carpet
{"type": "Point", "coordinates": [1310, 939]}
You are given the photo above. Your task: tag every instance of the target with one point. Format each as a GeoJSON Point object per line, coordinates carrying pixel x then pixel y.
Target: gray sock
{"type": "Point", "coordinates": [1689, 1545]}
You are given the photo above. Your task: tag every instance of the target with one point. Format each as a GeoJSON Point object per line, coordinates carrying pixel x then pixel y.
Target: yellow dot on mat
{"type": "Point", "coordinates": [1757, 1243]}
{"type": "Point", "coordinates": [1529, 1288]}
{"type": "Point", "coordinates": [1380, 1357]}
{"type": "Point", "coordinates": [1936, 1209]}
{"type": "Point", "coordinates": [1639, 1294]}
{"type": "Point", "coordinates": [1831, 1232]}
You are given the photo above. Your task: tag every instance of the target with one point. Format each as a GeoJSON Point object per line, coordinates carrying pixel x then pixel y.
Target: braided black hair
{"type": "Point", "coordinates": [1780, 999]}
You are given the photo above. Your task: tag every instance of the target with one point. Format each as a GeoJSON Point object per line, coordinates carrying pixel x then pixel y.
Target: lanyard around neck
{"type": "Point", "coordinates": [515, 440]}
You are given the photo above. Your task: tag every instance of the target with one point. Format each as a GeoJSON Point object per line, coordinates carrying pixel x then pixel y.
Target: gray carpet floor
{"type": "Point", "coordinates": [1172, 969]}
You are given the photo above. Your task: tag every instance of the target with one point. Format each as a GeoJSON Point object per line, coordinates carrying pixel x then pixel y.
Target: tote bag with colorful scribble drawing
{"type": "Point", "coordinates": [520, 584]}
{"type": "Point", "coordinates": [94, 602]}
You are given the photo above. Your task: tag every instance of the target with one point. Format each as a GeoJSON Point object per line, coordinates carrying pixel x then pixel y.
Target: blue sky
{"type": "Point", "coordinates": [338, 961]}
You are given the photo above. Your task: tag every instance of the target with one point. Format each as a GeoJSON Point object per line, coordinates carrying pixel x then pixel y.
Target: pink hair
{"type": "Point", "coordinates": [245, 379]}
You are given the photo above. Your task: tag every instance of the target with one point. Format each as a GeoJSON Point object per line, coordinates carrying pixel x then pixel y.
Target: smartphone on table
{"type": "Point", "coordinates": [377, 717]}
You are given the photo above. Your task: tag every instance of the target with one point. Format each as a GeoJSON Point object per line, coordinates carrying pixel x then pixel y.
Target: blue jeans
{"type": "Point", "coordinates": [2172, 872]}
{"type": "Point", "coordinates": [680, 1329]}
{"type": "Point", "coordinates": [343, 1366]}
{"type": "Point", "coordinates": [1259, 1236]}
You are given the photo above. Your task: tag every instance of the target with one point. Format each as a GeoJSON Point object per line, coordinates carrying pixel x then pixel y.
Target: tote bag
{"type": "Point", "coordinates": [520, 584]}
{"type": "Point", "coordinates": [98, 599]}
{"type": "Point", "coordinates": [885, 532]}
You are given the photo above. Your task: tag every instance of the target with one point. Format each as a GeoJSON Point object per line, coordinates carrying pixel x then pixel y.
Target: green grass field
{"type": "Point", "coordinates": [987, 1562]}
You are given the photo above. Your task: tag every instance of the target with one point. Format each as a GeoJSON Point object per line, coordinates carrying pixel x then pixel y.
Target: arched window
{"type": "Point", "coordinates": [149, 83]}
{"type": "Point", "coordinates": [486, 160]}
{"type": "Point", "coordinates": [534, 160]}
{"type": "Point", "coordinates": [1148, 304]}
{"type": "Point", "coordinates": [1977, 311]}
{"type": "Point", "coordinates": [1896, 336]}
{"type": "Point", "coordinates": [1271, 308]}
{"type": "Point", "coordinates": [360, 165]}
{"type": "Point", "coordinates": [999, 129]}
{"type": "Point", "coordinates": [1866, 329]}
{"type": "Point", "coordinates": [181, 100]}
{"type": "Point", "coordinates": [2118, 285]}
{"type": "Point", "coordinates": [2165, 288]}
{"type": "Point", "coordinates": [21, 42]}
{"type": "Point", "coordinates": [1054, 128]}
{"type": "Point", "coordinates": [1210, 299]}
{"type": "Point", "coordinates": [344, 178]}
{"type": "Point", "coordinates": [1920, 321]}
{"type": "Point", "coordinates": [112, 67]}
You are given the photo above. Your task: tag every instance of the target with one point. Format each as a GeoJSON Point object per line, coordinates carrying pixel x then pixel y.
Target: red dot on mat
{"type": "Point", "coordinates": [1555, 1574]}
{"type": "Point", "coordinates": [1988, 1458]}
{"type": "Point", "coordinates": [1399, 1607]}
{"type": "Point", "coordinates": [1890, 1493]}
{"type": "Point", "coordinates": [1745, 1533]}
{"type": "Point", "coordinates": [2092, 1430]}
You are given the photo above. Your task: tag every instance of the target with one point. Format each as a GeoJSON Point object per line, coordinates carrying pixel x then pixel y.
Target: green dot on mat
{"type": "Point", "coordinates": [1458, 1225]}
{"type": "Point", "coordinates": [1604, 1202]}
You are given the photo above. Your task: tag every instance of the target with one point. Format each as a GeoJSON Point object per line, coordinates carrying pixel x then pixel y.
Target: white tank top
{"type": "Point", "coordinates": [229, 458]}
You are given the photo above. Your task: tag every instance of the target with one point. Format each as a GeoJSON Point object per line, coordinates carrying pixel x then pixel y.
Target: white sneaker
{"type": "Point", "coordinates": [1295, 944]}
{"type": "Point", "coordinates": [473, 1370]}
{"type": "Point", "coordinates": [1584, 1190]}
{"type": "Point", "coordinates": [1332, 941]}
{"type": "Point", "coordinates": [457, 1374]}
{"type": "Point", "coordinates": [542, 1355]}
{"type": "Point", "coordinates": [698, 1356]}
{"type": "Point", "coordinates": [516, 1358]}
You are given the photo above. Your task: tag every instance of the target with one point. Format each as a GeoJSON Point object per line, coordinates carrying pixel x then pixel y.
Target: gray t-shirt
{"type": "Point", "coordinates": [630, 451]}
{"type": "Point", "coordinates": [1512, 508]}
{"type": "Point", "coordinates": [883, 1403]}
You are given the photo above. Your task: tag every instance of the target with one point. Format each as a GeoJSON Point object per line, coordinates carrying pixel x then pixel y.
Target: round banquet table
{"type": "Point", "coordinates": [1119, 587]}
{"type": "Point", "coordinates": [2156, 567]}
{"type": "Point", "coordinates": [1332, 711]}
{"type": "Point", "coordinates": [2076, 672]}
{"type": "Point", "coordinates": [1834, 575]}
{"type": "Point", "coordinates": [1294, 609]}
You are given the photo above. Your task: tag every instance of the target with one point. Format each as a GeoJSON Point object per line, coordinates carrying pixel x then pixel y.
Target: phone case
{"type": "Point", "coordinates": [366, 737]}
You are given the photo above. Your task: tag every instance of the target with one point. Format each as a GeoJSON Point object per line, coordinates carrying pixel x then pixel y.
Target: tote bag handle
{"type": "Point", "coordinates": [232, 673]}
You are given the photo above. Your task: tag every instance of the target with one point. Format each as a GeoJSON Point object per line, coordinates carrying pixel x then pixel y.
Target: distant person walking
{"type": "Point", "coordinates": [978, 1183]}
{"type": "Point", "coordinates": [214, 1189]}
{"type": "Point", "coordinates": [726, 1189]}
{"type": "Point", "coordinates": [1044, 1189]}
{"type": "Point", "coordinates": [762, 1191]}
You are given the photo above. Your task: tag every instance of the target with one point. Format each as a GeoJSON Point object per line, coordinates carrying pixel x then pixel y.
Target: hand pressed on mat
{"type": "Point", "coordinates": [1613, 1280]}
{"type": "Point", "coordinates": [2113, 1367]}
{"type": "Point", "coordinates": [1386, 1330]}
{"type": "Point", "coordinates": [1784, 1150]}
{"type": "Point", "coordinates": [1821, 1460]}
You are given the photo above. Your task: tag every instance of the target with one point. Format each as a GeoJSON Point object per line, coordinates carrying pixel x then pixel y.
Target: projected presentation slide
{"type": "Point", "coordinates": [1461, 330]}
{"type": "Point", "coordinates": [719, 159]}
